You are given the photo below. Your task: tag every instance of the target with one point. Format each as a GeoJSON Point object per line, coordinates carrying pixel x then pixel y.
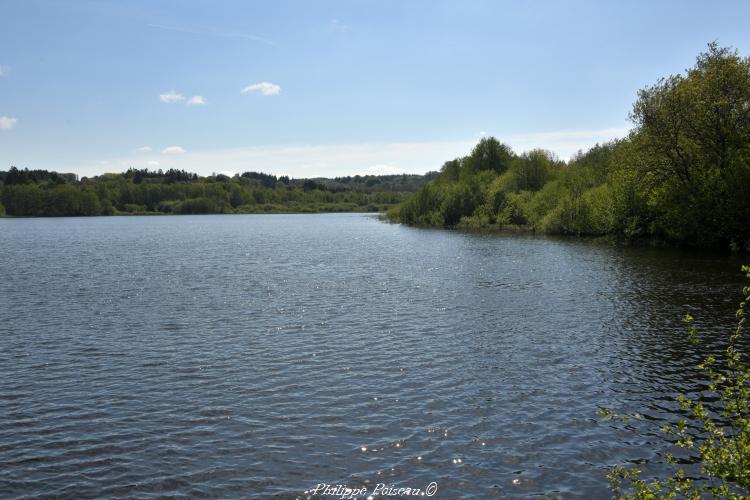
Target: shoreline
{"type": "Point", "coordinates": [605, 239]}
{"type": "Point", "coordinates": [159, 214]}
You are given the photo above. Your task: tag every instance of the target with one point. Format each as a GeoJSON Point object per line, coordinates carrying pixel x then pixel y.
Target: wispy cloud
{"type": "Point", "coordinates": [153, 163]}
{"type": "Point", "coordinates": [144, 149]}
{"type": "Point", "coordinates": [331, 160]}
{"type": "Point", "coordinates": [265, 88]}
{"type": "Point", "coordinates": [383, 169]}
{"type": "Point", "coordinates": [4, 70]}
{"type": "Point", "coordinates": [214, 32]}
{"type": "Point", "coordinates": [7, 122]}
{"type": "Point", "coordinates": [196, 100]}
{"type": "Point", "coordinates": [339, 26]}
{"type": "Point", "coordinates": [566, 135]}
{"type": "Point", "coordinates": [565, 143]}
{"type": "Point", "coordinates": [171, 96]}
{"type": "Point", "coordinates": [313, 160]}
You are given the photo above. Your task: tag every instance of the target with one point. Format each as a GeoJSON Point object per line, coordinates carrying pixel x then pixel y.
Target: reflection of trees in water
{"type": "Point", "coordinates": [656, 287]}
{"type": "Point", "coordinates": [545, 330]}
{"type": "Point", "coordinates": [654, 360]}
{"type": "Point", "coordinates": [549, 329]}
{"type": "Point", "coordinates": [635, 299]}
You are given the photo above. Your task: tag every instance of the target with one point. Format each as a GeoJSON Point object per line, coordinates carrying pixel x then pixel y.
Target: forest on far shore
{"type": "Point", "coordinates": [43, 193]}
{"type": "Point", "coordinates": [682, 175]}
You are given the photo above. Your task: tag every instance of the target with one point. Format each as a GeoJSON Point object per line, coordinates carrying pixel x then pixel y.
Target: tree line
{"type": "Point", "coordinates": [142, 191]}
{"type": "Point", "coordinates": [682, 175]}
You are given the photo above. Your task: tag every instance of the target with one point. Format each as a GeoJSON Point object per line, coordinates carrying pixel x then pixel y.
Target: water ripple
{"type": "Point", "coordinates": [256, 356]}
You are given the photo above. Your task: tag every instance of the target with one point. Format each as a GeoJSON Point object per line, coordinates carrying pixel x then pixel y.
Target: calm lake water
{"type": "Point", "coordinates": [260, 355]}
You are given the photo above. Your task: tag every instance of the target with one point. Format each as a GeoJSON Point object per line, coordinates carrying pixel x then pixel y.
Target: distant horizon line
{"type": "Point", "coordinates": [216, 174]}
{"type": "Point", "coordinates": [305, 160]}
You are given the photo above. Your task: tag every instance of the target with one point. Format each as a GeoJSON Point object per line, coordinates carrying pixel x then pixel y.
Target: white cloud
{"type": "Point", "coordinates": [153, 163]}
{"type": "Point", "coordinates": [318, 165]}
{"type": "Point", "coordinates": [196, 100]}
{"type": "Point", "coordinates": [7, 122]}
{"type": "Point", "coordinates": [171, 150]}
{"type": "Point", "coordinates": [265, 88]}
{"type": "Point", "coordinates": [4, 70]}
{"type": "Point", "coordinates": [565, 135]}
{"type": "Point", "coordinates": [144, 149]}
{"type": "Point", "coordinates": [382, 169]}
{"type": "Point", "coordinates": [565, 143]}
{"type": "Point", "coordinates": [337, 25]}
{"type": "Point", "coordinates": [214, 32]}
{"type": "Point", "coordinates": [171, 96]}
{"type": "Point", "coordinates": [331, 160]}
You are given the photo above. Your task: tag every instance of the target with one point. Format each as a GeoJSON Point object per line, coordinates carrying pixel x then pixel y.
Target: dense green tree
{"type": "Point", "coordinates": [489, 154]}
{"type": "Point", "coordinates": [533, 169]}
{"type": "Point", "coordinates": [459, 201]}
{"type": "Point", "coordinates": [43, 193]}
{"type": "Point", "coordinates": [681, 175]}
{"type": "Point", "coordinates": [695, 132]}
{"type": "Point", "coordinates": [451, 170]}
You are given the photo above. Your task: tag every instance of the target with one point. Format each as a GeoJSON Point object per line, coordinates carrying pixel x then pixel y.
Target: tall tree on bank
{"type": "Point", "coordinates": [694, 133]}
{"type": "Point", "coordinates": [490, 154]}
{"type": "Point", "coordinates": [682, 174]}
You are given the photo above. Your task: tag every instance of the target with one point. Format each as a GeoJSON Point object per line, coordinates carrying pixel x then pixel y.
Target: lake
{"type": "Point", "coordinates": [260, 355]}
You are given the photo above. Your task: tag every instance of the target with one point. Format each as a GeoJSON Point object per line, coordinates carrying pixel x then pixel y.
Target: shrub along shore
{"type": "Point", "coordinates": [33, 193]}
{"type": "Point", "coordinates": [681, 176]}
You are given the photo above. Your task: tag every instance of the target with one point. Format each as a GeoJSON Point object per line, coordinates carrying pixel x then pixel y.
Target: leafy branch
{"type": "Point", "coordinates": [723, 440]}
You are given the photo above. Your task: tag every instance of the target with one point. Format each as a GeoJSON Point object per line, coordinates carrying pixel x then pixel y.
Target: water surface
{"type": "Point", "coordinates": [259, 355]}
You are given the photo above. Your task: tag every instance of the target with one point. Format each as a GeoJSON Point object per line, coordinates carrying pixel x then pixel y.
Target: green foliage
{"type": "Point", "coordinates": [451, 170]}
{"type": "Point", "coordinates": [601, 214]}
{"type": "Point", "coordinates": [488, 154]}
{"type": "Point", "coordinates": [42, 193]}
{"type": "Point", "coordinates": [682, 175]}
{"type": "Point", "coordinates": [717, 431]}
{"type": "Point", "coordinates": [423, 208]}
{"type": "Point", "coordinates": [459, 201]}
{"type": "Point", "coordinates": [694, 131]}
{"type": "Point", "coordinates": [53, 200]}
{"type": "Point", "coordinates": [515, 211]}
{"type": "Point", "coordinates": [202, 205]}
{"type": "Point", "coordinates": [544, 203]}
{"type": "Point", "coordinates": [533, 169]}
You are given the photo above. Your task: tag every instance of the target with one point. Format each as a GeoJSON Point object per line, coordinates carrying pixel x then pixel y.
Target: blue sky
{"type": "Point", "coordinates": [331, 87]}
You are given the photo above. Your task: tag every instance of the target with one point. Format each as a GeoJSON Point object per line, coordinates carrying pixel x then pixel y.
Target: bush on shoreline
{"type": "Point", "coordinates": [682, 175]}
{"type": "Point", "coordinates": [33, 193]}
